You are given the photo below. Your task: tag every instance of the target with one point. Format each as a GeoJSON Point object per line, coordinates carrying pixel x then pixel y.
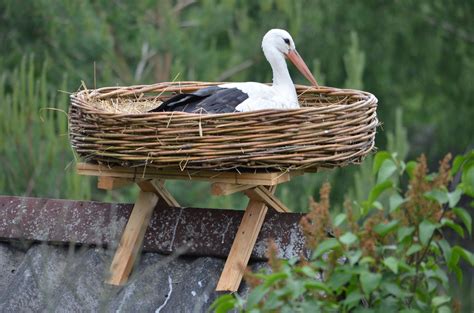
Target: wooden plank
{"type": "Point", "coordinates": [158, 187]}
{"type": "Point", "coordinates": [242, 247]}
{"type": "Point", "coordinates": [132, 238]}
{"type": "Point", "coordinates": [111, 183]}
{"type": "Point", "coordinates": [267, 179]}
{"type": "Point", "coordinates": [260, 193]}
{"type": "Point", "coordinates": [224, 189]}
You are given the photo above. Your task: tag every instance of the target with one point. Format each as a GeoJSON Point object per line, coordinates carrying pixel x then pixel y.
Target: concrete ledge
{"type": "Point", "coordinates": [186, 231]}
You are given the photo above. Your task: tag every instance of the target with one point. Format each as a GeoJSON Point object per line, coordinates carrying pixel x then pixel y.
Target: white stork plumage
{"type": "Point", "coordinates": [250, 96]}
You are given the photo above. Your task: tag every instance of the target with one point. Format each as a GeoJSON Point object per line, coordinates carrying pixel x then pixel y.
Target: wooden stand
{"type": "Point", "coordinates": [258, 187]}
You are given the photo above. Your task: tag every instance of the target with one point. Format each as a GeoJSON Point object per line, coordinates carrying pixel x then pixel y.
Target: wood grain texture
{"type": "Point", "coordinates": [332, 128]}
{"type": "Point", "coordinates": [157, 186]}
{"type": "Point", "coordinates": [143, 173]}
{"type": "Point", "coordinates": [225, 189]}
{"type": "Point", "coordinates": [262, 194]}
{"type": "Point", "coordinates": [132, 238]}
{"type": "Point", "coordinates": [111, 183]}
{"type": "Point", "coordinates": [242, 247]}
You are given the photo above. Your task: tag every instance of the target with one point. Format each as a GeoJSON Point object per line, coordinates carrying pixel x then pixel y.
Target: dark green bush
{"type": "Point", "coordinates": [388, 253]}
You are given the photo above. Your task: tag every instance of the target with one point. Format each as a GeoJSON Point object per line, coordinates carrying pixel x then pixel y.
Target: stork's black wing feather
{"type": "Point", "coordinates": [207, 100]}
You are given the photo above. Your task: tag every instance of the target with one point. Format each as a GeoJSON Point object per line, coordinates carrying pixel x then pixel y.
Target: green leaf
{"type": "Point", "coordinates": [383, 229]}
{"type": "Point", "coordinates": [386, 170]}
{"type": "Point", "coordinates": [375, 193]}
{"type": "Point", "coordinates": [223, 304]}
{"type": "Point", "coordinates": [409, 311]}
{"type": "Point", "coordinates": [395, 201]}
{"type": "Point", "coordinates": [380, 157]}
{"type": "Point", "coordinates": [426, 230]}
{"type": "Point", "coordinates": [437, 301]}
{"type": "Point", "coordinates": [465, 217]}
{"type": "Point", "coordinates": [352, 299]}
{"type": "Point", "coordinates": [411, 168]}
{"type": "Point", "coordinates": [325, 246]}
{"type": "Point", "coordinates": [446, 248]}
{"type": "Point", "coordinates": [465, 254]}
{"type": "Point", "coordinates": [272, 278]}
{"type": "Point", "coordinates": [271, 303]}
{"type": "Point", "coordinates": [453, 197]}
{"type": "Point", "coordinates": [457, 163]}
{"type": "Point", "coordinates": [392, 264]}
{"type": "Point", "coordinates": [444, 309]}
{"type": "Point", "coordinates": [404, 232]}
{"type": "Point", "coordinates": [395, 290]}
{"type": "Point", "coordinates": [413, 249]}
{"type": "Point", "coordinates": [338, 279]}
{"type": "Point", "coordinates": [438, 195]}
{"type": "Point", "coordinates": [467, 178]}
{"type": "Point", "coordinates": [370, 281]}
{"type": "Point", "coordinates": [348, 238]}
{"type": "Point", "coordinates": [256, 295]}
{"type": "Point", "coordinates": [339, 219]}
{"type": "Point", "coordinates": [451, 224]}
{"type": "Point", "coordinates": [367, 259]}
{"type": "Point", "coordinates": [308, 271]}
{"type": "Point", "coordinates": [314, 284]}
{"type": "Point", "coordinates": [354, 257]}
{"type": "Point", "coordinates": [378, 189]}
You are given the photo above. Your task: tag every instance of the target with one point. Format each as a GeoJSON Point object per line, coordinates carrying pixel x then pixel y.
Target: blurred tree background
{"type": "Point", "coordinates": [417, 57]}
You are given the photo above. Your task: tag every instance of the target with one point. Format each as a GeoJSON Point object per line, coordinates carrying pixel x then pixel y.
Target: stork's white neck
{"type": "Point", "coordinates": [281, 76]}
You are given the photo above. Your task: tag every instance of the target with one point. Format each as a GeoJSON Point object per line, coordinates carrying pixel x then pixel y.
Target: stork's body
{"type": "Point", "coordinates": [250, 96]}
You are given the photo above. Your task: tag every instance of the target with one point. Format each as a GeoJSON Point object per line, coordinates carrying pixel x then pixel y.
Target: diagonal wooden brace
{"type": "Point", "coordinates": [262, 194]}
{"type": "Point", "coordinates": [224, 189]}
{"type": "Point", "coordinates": [132, 238]}
{"type": "Point", "coordinates": [157, 186]}
{"type": "Point", "coordinates": [242, 247]}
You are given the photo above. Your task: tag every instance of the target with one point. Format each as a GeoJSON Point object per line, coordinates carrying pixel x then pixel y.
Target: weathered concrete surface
{"type": "Point", "coordinates": [47, 278]}
{"type": "Point", "coordinates": [37, 276]}
{"type": "Point", "coordinates": [204, 232]}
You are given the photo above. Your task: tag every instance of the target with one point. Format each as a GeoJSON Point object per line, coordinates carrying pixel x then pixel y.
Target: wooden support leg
{"type": "Point", "coordinates": [132, 238]}
{"type": "Point", "coordinates": [242, 247]}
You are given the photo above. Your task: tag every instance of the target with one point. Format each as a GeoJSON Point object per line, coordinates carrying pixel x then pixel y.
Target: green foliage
{"type": "Point", "coordinates": [392, 256]}
{"type": "Point", "coordinates": [419, 59]}
{"type": "Point", "coordinates": [34, 151]}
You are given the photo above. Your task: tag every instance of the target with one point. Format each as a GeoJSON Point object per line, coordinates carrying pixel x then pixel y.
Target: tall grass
{"type": "Point", "coordinates": [34, 147]}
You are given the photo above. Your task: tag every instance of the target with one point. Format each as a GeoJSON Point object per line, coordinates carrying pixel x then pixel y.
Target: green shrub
{"type": "Point", "coordinates": [386, 253]}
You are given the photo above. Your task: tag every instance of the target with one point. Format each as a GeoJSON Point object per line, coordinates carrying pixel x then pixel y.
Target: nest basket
{"type": "Point", "coordinates": [111, 125]}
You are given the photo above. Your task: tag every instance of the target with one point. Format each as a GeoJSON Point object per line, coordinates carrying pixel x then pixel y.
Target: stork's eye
{"type": "Point", "coordinates": [286, 40]}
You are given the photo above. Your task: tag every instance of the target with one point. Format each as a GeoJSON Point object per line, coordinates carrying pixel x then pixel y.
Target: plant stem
{"type": "Point", "coordinates": [423, 255]}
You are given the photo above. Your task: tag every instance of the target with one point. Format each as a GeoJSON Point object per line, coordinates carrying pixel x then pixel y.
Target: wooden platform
{"type": "Point", "coordinates": [258, 187]}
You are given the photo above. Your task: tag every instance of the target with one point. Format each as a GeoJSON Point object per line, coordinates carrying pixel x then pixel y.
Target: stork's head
{"type": "Point", "coordinates": [280, 41]}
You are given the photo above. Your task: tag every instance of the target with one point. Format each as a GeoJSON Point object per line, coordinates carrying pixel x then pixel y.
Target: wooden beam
{"type": "Point", "coordinates": [157, 186]}
{"type": "Point", "coordinates": [262, 194]}
{"type": "Point", "coordinates": [111, 183]}
{"type": "Point", "coordinates": [224, 189]}
{"type": "Point", "coordinates": [132, 238]}
{"type": "Point", "coordinates": [233, 177]}
{"type": "Point", "coordinates": [242, 247]}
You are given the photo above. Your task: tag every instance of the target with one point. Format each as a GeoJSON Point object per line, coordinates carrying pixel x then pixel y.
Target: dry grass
{"type": "Point", "coordinates": [127, 106]}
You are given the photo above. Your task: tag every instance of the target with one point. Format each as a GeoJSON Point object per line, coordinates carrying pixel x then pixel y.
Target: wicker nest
{"type": "Point", "coordinates": [334, 127]}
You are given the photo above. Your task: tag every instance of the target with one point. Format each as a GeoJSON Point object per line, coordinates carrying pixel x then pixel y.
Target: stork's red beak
{"type": "Point", "coordinates": [294, 57]}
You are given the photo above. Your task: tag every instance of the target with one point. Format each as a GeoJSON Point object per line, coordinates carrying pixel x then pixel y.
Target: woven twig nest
{"type": "Point", "coordinates": [334, 127]}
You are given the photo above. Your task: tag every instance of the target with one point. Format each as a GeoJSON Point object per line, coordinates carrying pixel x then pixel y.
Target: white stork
{"type": "Point", "coordinates": [250, 96]}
